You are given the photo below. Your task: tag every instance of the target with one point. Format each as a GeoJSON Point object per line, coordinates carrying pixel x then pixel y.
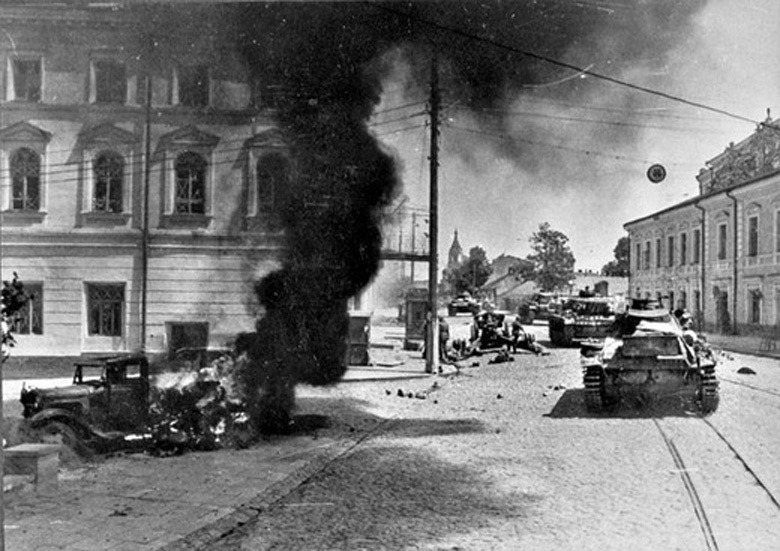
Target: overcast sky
{"type": "Point", "coordinates": [571, 149]}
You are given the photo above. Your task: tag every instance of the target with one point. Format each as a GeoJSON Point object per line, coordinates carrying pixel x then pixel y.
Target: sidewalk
{"type": "Point", "coordinates": [138, 502]}
{"type": "Point", "coordinates": [752, 345]}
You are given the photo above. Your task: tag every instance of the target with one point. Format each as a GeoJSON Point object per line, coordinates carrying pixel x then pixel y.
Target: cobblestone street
{"type": "Point", "coordinates": [505, 456]}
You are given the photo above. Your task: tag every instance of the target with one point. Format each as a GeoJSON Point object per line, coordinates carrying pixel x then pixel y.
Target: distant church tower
{"type": "Point", "coordinates": [455, 258]}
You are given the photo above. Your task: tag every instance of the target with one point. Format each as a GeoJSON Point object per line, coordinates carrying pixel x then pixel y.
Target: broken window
{"type": "Point", "coordinates": [29, 320]}
{"type": "Point", "coordinates": [26, 179]}
{"type": "Point", "coordinates": [109, 168]}
{"type": "Point", "coordinates": [190, 193]}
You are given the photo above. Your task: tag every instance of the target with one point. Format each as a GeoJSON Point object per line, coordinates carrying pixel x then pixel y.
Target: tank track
{"type": "Point", "coordinates": [710, 395]}
{"type": "Point", "coordinates": [593, 380]}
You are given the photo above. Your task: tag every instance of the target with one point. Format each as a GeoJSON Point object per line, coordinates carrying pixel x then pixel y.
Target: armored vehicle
{"type": "Point", "coordinates": [109, 398]}
{"type": "Point", "coordinates": [581, 319]}
{"type": "Point", "coordinates": [649, 358]}
{"type": "Point", "coordinates": [539, 306]}
{"type": "Point", "coordinates": [464, 303]}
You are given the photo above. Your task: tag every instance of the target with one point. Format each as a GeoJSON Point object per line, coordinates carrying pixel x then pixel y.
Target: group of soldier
{"type": "Point", "coordinates": [489, 331]}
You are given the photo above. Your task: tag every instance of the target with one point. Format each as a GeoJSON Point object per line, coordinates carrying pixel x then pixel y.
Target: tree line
{"type": "Point", "coordinates": [550, 265]}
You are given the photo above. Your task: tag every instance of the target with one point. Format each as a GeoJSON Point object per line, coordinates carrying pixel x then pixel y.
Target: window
{"type": "Point", "coordinates": [26, 180]}
{"type": "Point", "coordinates": [722, 241]}
{"type": "Point", "coordinates": [105, 307]}
{"type": "Point", "coordinates": [670, 255]}
{"type": "Point", "coordinates": [109, 168]}
{"type": "Point", "coordinates": [29, 320]}
{"type": "Point", "coordinates": [273, 172]}
{"type": "Point", "coordinates": [110, 81]}
{"type": "Point", "coordinates": [638, 256]}
{"type": "Point", "coordinates": [26, 83]}
{"type": "Point", "coordinates": [194, 86]}
{"type": "Point", "coordinates": [755, 305]}
{"type": "Point", "coordinates": [190, 190]}
{"type": "Point", "coordinates": [658, 253]}
{"type": "Point", "coordinates": [752, 236]}
{"type": "Point", "coordinates": [683, 248]}
{"type": "Point", "coordinates": [646, 263]}
{"type": "Point", "coordinates": [777, 231]}
{"type": "Point", "coordinates": [696, 246]}
{"type": "Point", "coordinates": [682, 302]}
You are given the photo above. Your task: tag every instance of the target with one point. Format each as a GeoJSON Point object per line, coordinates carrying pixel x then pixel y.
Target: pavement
{"type": "Point", "coordinates": [140, 502]}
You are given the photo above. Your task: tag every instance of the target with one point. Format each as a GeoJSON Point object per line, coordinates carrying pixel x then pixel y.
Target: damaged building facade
{"type": "Point", "coordinates": [718, 254]}
{"type": "Point", "coordinates": [139, 165]}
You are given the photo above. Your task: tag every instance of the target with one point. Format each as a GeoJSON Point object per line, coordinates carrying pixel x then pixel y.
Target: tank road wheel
{"type": "Point", "coordinates": [710, 396]}
{"type": "Point", "coordinates": [594, 388]}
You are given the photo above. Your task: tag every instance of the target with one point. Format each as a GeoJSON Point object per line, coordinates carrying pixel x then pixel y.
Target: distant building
{"type": "Point", "coordinates": [718, 254]}
{"type": "Point", "coordinates": [455, 254]}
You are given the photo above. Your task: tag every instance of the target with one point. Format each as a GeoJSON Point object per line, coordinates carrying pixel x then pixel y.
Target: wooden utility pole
{"type": "Point", "coordinates": [432, 349]}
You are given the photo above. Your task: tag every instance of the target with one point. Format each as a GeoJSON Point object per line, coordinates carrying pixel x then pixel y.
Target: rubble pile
{"type": "Point", "coordinates": [200, 410]}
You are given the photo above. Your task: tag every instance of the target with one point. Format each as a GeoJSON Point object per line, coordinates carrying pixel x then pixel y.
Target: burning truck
{"type": "Point", "coordinates": [113, 404]}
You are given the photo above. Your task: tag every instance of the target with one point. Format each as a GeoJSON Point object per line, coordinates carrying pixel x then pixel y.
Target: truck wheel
{"type": "Point", "coordinates": [73, 446]}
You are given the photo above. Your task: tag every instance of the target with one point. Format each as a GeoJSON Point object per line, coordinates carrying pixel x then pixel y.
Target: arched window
{"type": "Point", "coordinates": [26, 180]}
{"type": "Point", "coordinates": [273, 175]}
{"type": "Point", "coordinates": [109, 170]}
{"type": "Point", "coordinates": [190, 193]}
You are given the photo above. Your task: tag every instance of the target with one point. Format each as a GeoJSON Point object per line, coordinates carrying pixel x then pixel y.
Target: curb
{"type": "Point", "coordinates": [207, 536]}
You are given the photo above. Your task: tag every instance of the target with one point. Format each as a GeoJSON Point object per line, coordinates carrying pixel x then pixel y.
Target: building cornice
{"type": "Point", "coordinates": [700, 198]}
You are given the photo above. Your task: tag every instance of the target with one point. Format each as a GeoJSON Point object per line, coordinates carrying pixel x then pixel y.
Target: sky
{"type": "Point", "coordinates": [545, 143]}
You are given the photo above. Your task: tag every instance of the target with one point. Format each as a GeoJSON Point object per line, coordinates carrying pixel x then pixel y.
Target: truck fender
{"type": "Point", "coordinates": [64, 416]}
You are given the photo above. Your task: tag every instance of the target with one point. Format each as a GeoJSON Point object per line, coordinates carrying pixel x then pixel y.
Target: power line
{"type": "Point", "coordinates": [558, 63]}
{"type": "Point", "coordinates": [406, 129]}
{"type": "Point", "coordinates": [557, 146]}
{"type": "Point", "coordinates": [390, 121]}
{"type": "Point", "coordinates": [578, 119]}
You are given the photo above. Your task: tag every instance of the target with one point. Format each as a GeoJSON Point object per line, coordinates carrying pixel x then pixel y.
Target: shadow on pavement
{"type": "Point", "coordinates": [383, 497]}
{"type": "Point", "coordinates": [571, 405]}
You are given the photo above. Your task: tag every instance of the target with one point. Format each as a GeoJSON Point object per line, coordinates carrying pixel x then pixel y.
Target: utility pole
{"type": "Point", "coordinates": [432, 350]}
{"type": "Point", "coordinates": [414, 224]}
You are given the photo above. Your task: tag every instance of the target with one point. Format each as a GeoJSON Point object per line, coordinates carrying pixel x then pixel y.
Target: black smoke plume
{"type": "Point", "coordinates": [325, 64]}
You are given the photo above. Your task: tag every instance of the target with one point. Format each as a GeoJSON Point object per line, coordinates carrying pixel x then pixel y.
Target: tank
{"type": "Point", "coordinates": [648, 360]}
{"type": "Point", "coordinates": [581, 320]}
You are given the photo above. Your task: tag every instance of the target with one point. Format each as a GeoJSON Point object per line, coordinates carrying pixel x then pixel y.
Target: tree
{"type": "Point", "coordinates": [472, 274]}
{"type": "Point", "coordinates": [14, 298]}
{"type": "Point", "coordinates": [619, 266]}
{"type": "Point", "coordinates": [552, 259]}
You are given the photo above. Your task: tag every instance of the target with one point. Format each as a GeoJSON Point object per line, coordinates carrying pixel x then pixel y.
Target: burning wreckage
{"type": "Point", "coordinates": [113, 404]}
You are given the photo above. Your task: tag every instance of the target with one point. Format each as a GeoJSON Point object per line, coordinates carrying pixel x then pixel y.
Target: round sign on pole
{"type": "Point", "coordinates": [656, 173]}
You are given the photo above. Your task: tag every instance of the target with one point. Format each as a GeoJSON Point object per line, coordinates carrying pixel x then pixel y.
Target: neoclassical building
{"type": "Point", "coordinates": [139, 165]}
{"type": "Point", "coordinates": [718, 254]}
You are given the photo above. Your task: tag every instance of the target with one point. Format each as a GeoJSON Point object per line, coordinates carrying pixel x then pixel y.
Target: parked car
{"type": "Point", "coordinates": [536, 307]}
{"type": "Point", "coordinates": [581, 319]}
{"type": "Point", "coordinates": [463, 303]}
{"type": "Point", "coordinates": [648, 359]}
{"type": "Point", "coordinates": [108, 398]}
